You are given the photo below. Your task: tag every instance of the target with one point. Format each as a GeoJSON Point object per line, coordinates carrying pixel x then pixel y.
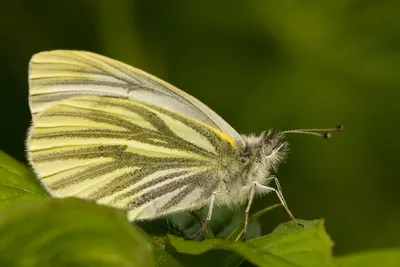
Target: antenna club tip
{"type": "Point", "coordinates": [327, 135]}
{"type": "Point", "coordinates": [339, 128]}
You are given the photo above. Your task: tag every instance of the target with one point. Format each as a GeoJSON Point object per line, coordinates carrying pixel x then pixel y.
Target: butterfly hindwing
{"type": "Point", "coordinates": [127, 154]}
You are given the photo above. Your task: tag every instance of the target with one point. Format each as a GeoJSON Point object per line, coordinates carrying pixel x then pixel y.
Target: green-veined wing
{"type": "Point", "coordinates": [128, 154]}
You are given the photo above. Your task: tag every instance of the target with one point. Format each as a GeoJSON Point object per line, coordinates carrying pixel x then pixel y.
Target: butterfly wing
{"type": "Point", "coordinates": [128, 154]}
{"type": "Point", "coordinates": [61, 74]}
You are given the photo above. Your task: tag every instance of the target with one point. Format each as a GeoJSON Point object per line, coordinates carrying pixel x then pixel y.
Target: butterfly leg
{"type": "Point", "coordinates": [249, 204]}
{"type": "Point", "coordinates": [278, 192]}
{"type": "Point", "coordinates": [210, 210]}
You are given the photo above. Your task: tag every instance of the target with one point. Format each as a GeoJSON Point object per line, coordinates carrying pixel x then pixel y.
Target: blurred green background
{"type": "Point", "coordinates": [259, 64]}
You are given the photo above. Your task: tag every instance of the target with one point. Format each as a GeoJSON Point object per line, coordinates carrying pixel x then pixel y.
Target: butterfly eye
{"type": "Point", "coordinates": [244, 158]}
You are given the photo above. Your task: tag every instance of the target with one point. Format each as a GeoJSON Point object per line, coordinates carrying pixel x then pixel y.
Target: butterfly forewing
{"type": "Point", "coordinates": [61, 74]}
{"type": "Point", "coordinates": [132, 155]}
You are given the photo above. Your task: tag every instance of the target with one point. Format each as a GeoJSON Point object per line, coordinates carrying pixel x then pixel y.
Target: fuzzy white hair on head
{"type": "Point", "coordinates": [262, 155]}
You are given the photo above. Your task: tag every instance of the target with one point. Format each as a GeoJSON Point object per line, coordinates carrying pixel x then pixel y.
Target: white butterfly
{"type": "Point", "coordinates": [111, 133]}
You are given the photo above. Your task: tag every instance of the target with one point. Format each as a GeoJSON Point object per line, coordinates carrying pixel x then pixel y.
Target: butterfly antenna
{"type": "Point", "coordinates": [325, 133]}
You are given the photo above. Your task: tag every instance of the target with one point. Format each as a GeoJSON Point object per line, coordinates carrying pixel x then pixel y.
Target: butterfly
{"type": "Point", "coordinates": [110, 133]}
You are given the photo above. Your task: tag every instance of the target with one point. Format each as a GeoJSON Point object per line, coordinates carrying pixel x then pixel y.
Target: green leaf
{"type": "Point", "coordinates": [306, 246]}
{"type": "Point", "coordinates": [381, 258]}
{"type": "Point", "coordinates": [288, 245]}
{"type": "Point", "coordinates": [71, 232]}
{"type": "Point", "coordinates": [247, 251]}
{"type": "Point", "coordinates": [17, 183]}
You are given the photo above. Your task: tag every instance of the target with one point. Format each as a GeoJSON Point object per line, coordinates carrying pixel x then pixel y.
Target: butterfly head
{"type": "Point", "coordinates": [263, 153]}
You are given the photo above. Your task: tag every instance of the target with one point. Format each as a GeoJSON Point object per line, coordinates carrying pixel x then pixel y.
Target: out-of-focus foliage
{"type": "Point", "coordinates": [17, 183]}
{"type": "Point", "coordinates": [71, 232]}
{"type": "Point", "coordinates": [259, 64]}
{"type": "Point", "coordinates": [382, 258]}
